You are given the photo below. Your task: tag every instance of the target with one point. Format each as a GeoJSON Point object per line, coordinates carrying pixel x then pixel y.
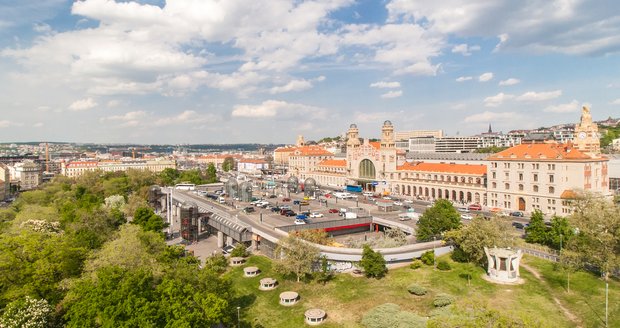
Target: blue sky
{"type": "Point", "coordinates": [233, 71]}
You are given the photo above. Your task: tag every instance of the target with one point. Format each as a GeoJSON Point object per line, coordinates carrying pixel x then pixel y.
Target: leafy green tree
{"type": "Point", "coordinates": [479, 233]}
{"type": "Point", "coordinates": [324, 275]}
{"type": "Point", "coordinates": [194, 176]}
{"type": "Point", "coordinates": [560, 232]}
{"type": "Point", "coordinates": [228, 164]}
{"type": "Point", "coordinates": [168, 176]}
{"type": "Point", "coordinates": [373, 263]}
{"type": "Point", "coordinates": [211, 173]}
{"type": "Point", "coordinates": [537, 231]}
{"type": "Point", "coordinates": [239, 251]}
{"type": "Point", "coordinates": [148, 220]}
{"type": "Point", "coordinates": [438, 219]}
{"type": "Point", "coordinates": [296, 257]}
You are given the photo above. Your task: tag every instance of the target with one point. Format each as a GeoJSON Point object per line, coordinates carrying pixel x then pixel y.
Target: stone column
{"type": "Point", "coordinates": [229, 240]}
{"type": "Point", "coordinates": [220, 239]}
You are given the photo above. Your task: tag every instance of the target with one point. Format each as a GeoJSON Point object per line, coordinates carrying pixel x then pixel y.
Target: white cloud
{"type": "Point", "coordinates": [392, 94]}
{"type": "Point", "coordinates": [424, 68]}
{"type": "Point", "coordinates": [83, 104]}
{"type": "Point", "coordinates": [294, 85]}
{"type": "Point", "coordinates": [129, 119]}
{"type": "Point", "coordinates": [280, 110]}
{"type": "Point", "coordinates": [485, 77]}
{"type": "Point", "coordinates": [464, 49]}
{"type": "Point", "coordinates": [510, 81]}
{"type": "Point", "coordinates": [487, 116]}
{"type": "Point", "coordinates": [570, 107]}
{"type": "Point", "coordinates": [464, 78]}
{"type": "Point", "coordinates": [532, 96]}
{"type": "Point", "coordinates": [498, 99]}
{"type": "Point", "coordinates": [385, 85]}
{"type": "Point", "coordinates": [37, 125]}
{"type": "Point", "coordinates": [616, 102]}
{"type": "Point", "coordinates": [188, 116]}
{"type": "Point", "coordinates": [7, 123]}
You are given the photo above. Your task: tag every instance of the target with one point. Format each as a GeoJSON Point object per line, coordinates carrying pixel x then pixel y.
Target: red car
{"type": "Point", "coordinates": [286, 199]}
{"type": "Point", "coordinates": [475, 207]}
{"type": "Point", "coordinates": [334, 210]}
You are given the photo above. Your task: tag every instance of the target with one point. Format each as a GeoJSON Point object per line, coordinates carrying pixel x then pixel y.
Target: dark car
{"type": "Point", "coordinates": [275, 209]}
{"type": "Point", "coordinates": [518, 225]}
{"type": "Point", "coordinates": [286, 199]}
{"type": "Point", "coordinates": [272, 196]}
{"type": "Point", "coordinates": [517, 214]}
{"type": "Point", "coordinates": [296, 202]}
{"type": "Point", "coordinates": [290, 213]}
{"type": "Point", "coordinates": [248, 209]}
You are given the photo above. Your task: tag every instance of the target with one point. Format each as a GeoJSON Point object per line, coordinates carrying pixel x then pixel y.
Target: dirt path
{"type": "Point", "coordinates": [573, 318]}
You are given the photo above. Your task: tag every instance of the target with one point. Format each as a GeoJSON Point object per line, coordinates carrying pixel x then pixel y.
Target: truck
{"type": "Point", "coordinates": [354, 188]}
{"type": "Point", "coordinates": [350, 215]}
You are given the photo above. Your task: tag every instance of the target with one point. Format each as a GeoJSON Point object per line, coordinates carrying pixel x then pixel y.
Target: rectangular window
{"type": "Point", "coordinates": [551, 179]}
{"type": "Point", "coordinates": [535, 177]}
{"type": "Point", "coordinates": [520, 176]}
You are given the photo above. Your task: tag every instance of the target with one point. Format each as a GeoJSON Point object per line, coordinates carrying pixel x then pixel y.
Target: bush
{"type": "Point", "coordinates": [239, 251]}
{"type": "Point", "coordinates": [417, 290]}
{"type": "Point", "coordinates": [443, 300]}
{"type": "Point", "coordinates": [458, 255]}
{"type": "Point", "coordinates": [443, 265]}
{"type": "Point", "coordinates": [373, 263]}
{"type": "Point", "coordinates": [428, 257]}
{"type": "Point", "coordinates": [416, 264]}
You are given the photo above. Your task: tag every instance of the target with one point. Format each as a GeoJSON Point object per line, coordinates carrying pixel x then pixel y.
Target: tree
{"type": "Point", "coordinates": [560, 232]}
{"type": "Point", "coordinates": [239, 251]}
{"type": "Point", "coordinates": [537, 232]}
{"type": "Point", "coordinates": [570, 262]}
{"type": "Point", "coordinates": [597, 221]}
{"type": "Point", "coordinates": [168, 176]}
{"type": "Point", "coordinates": [324, 275]}
{"type": "Point", "coordinates": [297, 256]}
{"type": "Point", "coordinates": [211, 173]}
{"type": "Point", "coordinates": [373, 263]}
{"type": "Point", "coordinates": [479, 233]}
{"type": "Point", "coordinates": [439, 218]}
{"type": "Point", "coordinates": [228, 164]}
{"type": "Point", "coordinates": [148, 220]}
{"type": "Point", "coordinates": [194, 176]}
{"type": "Point", "coordinates": [28, 312]}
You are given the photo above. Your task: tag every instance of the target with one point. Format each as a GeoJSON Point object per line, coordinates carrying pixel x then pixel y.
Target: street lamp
{"type": "Point", "coordinates": [238, 320]}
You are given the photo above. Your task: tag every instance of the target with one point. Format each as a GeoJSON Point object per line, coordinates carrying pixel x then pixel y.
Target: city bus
{"type": "Point", "coordinates": [185, 186]}
{"type": "Point", "coordinates": [354, 188]}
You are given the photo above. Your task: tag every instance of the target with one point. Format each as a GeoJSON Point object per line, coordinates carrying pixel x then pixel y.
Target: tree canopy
{"type": "Point", "coordinates": [479, 233]}
{"type": "Point", "coordinates": [373, 263]}
{"type": "Point", "coordinates": [441, 217]}
{"type": "Point", "coordinates": [297, 256]}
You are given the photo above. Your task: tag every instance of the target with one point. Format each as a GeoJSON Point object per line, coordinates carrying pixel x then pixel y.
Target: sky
{"type": "Point", "coordinates": [265, 71]}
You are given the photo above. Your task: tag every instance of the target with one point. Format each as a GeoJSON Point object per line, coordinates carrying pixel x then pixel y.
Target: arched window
{"type": "Point", "coordinates": [551, 190]}
{"type": "Point", "coordinates": [507, 186]}
{"type": "Point", "coordinates": [520, 187]}
{"type": "Point", "coordinates": [535, 188]}
{"type": "Point", "coordinates": [367, 169]}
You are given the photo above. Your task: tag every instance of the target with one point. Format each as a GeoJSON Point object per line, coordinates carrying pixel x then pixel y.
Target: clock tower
{"type": "Point", "coordinates": [586, 138]}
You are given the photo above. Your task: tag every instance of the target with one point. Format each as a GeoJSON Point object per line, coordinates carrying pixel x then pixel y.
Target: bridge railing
{"type": "Point", "coordinates": [325, 224]}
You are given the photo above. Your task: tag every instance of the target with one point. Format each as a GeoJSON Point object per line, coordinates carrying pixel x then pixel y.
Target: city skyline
{"type": "Point", "coordinates": [201, 72]}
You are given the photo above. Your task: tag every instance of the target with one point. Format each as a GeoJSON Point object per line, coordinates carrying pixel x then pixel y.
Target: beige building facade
{"type": "Point", "coordinates": [77, 168]}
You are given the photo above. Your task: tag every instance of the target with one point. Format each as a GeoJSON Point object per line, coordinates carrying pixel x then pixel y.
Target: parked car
{"type": "Point", "coordinates": [465, 216]}
{"type": "Point", "coordinates": [316, 215]}
{"type": "Point", "coordinates": [518, 225]}
{"type": "Point", "coordinates": [475, 207]}
{"type": "Point", "coordinates": [295, 202]}
{"type": "Point", "coordinates": [408, 201]}
{"type": "Point", "coordinates": [304, 203]}
{"type": "Point", "coordinates": [275, 209]}
{"type": "Point", "coordinates": [290, 213]}
{"type": "Point", "coordinates": [517, 214]}
{"type": "Point", "coordinates": [398, 203]}
{"type": "Point", "coordinates": [333, 210]}
{"type": "Point", "coordinates": [248, 209]}
{"type": "Point", "coordinates": [301, 217]}
{"type": "Point", "coordinates": [387, 197]}
{"type": "Point", "coordinates": [272, 196]}
{"type": "Point", "coordinates": [298, 221]}
{"type": "Point", "coordinates": [285, 199]}
{"type": "Point", "coordinates": [462, 209]}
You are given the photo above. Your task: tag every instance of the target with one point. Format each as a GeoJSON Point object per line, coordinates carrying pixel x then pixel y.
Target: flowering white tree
{"type": "Point", "coordinates": [27, 313]}
{"type": "Point", "coordinates": [42, 226]}
{"type": "Point", "coordinates": [114, 202]}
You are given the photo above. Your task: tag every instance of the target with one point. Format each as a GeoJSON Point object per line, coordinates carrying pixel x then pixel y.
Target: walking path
{"type": "Point", "coordinates": [573, 318]}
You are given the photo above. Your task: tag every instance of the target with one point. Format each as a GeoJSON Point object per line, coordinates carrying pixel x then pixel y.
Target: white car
{"type": "Point", "coordinates": [466, 216]}
{"type": "Point", "coordinates": [387, 197]}
{"type": "Point", "coordinates": [298, 221]}
{"type": "Point", "coordinates": [408, 201]}
{"type": "Point", "coordinates": [397, 203]}
{"type": "Point", "coordinates": [316, 215]}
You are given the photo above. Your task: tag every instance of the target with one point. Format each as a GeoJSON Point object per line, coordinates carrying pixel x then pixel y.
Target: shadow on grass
{"type": "Point", "coordinates": [244, 301]}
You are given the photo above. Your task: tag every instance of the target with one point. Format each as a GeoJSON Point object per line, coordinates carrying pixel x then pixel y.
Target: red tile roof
{"type": "Point", "coordinates": [540, 151]}
{"type": "Point", "coordinates": [444, 168]}
{"type": "Point", "coordinates": [311, 151]}
{"type": "Point", "coordinates": [375, 144]}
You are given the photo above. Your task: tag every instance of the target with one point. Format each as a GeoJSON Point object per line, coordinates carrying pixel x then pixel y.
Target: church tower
{"type": "Point", "coordinates": [586, 138]}
{"type": "Point", "coordinates": [387, 135]}
{"type": "Point", "coordinates": [300, 141]}
{"type": "Point", "coordinates": [353, 136]}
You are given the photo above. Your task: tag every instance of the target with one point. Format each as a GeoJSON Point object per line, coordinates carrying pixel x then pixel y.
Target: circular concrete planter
{"type": "Point", "coordinates": [289, 298]}
{"type": "Point", "coordinates": [251, 271]}
{"type": "Point", "coordinates": [268, 284]}
{"type": "Point", "coordinates": [315, 316]}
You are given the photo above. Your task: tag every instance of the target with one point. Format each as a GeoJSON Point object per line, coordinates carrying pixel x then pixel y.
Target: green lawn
{"type": "Point", "coordinates": [347, 298]}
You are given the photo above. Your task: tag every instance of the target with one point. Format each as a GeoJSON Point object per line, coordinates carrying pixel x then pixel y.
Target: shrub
{"type": "Point", "coordinates": [428, 257]}
{"type": "Point", "coordinates": [416, 264]}
{"type": "Point", "coordinates": [373, 263]}
{"type": "Point", "coordinates": [239, 251]}
{"type": "Point", "coordinates": [417, 290]}
{"type": "Point", "coordinates": [443, 265]}
{"type": "Point", "coordinates": [443, 300]}
{"type": "Point", "coordinates": [458, 255]}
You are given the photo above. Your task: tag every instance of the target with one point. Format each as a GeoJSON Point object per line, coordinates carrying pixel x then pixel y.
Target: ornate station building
{"type": "Point", "coordinates": [526, 177]}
